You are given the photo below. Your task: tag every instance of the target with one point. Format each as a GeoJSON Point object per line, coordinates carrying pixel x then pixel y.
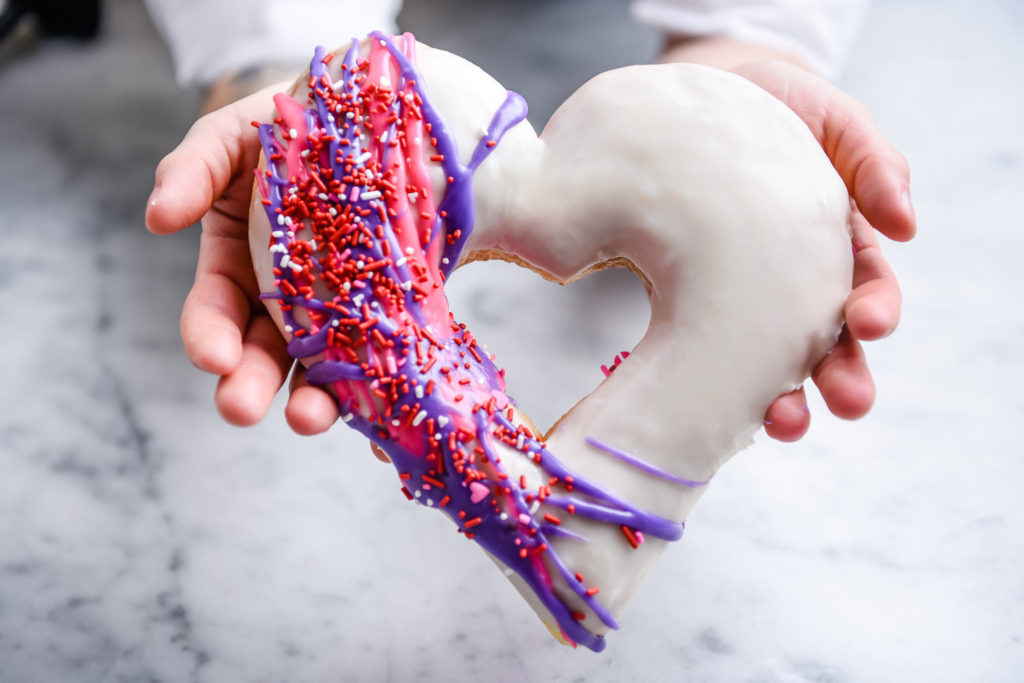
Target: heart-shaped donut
{"type": "Point", "coordinates": [390, 163]}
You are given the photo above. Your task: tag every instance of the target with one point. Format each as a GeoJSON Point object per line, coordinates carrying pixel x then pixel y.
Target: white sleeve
{"type": "Point", "coordinates": [821, 32]}
{"type": "Point", "coordinates": [209, 39]}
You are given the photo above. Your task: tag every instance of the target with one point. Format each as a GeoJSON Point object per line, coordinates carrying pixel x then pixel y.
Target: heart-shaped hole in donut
{"type": "Point", "coordinates": [552, 340]}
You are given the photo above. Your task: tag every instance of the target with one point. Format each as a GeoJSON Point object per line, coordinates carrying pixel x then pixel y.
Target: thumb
{"type": "Point", "coordinates": [217, 149]}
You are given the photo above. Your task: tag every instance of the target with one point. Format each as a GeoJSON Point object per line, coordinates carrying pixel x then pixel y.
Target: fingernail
{"type": "Point", "coordinates": [151, 203]}
{"type": "Point", "coordinates": [907, 202]}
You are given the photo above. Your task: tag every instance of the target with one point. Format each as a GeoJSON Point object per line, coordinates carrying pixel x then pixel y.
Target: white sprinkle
{"type": "Point", "coordinates": [277, 234]}
{"type": "Point", "coordinates": [350, 115]}
{"type": "Point", "coordinates": [372, 194]}
{"type": "Point", "coordinates": [362, 158]}
{"type": "Point", "coordinates": [442, 420]}
{"type": "Point", "coordinates": [336, 323]}
{"type": "Point", "coordinates": [304, 153]}
{"type": "Point", "coordinates": [413, 196]}
{"type": "Point", "coordinates": [285, 260]}
{"type": "Point", "coordinates": [430, 503]}
{"type": "Point", "coordinates": [400, 262]}
{"type": "Point", "coordinates": [292, 133]}
{"type": "Point", "coordinates": [420, 416]}
{"type": "Point", "coordinates": [383, 137]}
{"type": "Point", "coordinates": [348, 417]}
{"type": "Point", "coordinates": [534, 507]}
{"type": "Point", "coordinates": [346, 285]}
{"type": "Point", "coordinates": [504, 517]}
{"type": "Point", "coordinates": [397, 423]}
{"type": "Point", "coordinates": [445, 260]}
{"type": "Point", "coordinates": [406, 286]}
{"type": "Point", "coordinates": [289, 329]}
{"type": "Point", "coordinates": [520, 440]}
{"type": "Point", "coordinates": [418, 391]}
{"type": "Point", "coordinates": [322, 196]}
{"type": "Point", "coordinates": [385, 82]}
{"type": "Point", "coordinates": [279, 249]}
{"type": "Point", "coordinates": [409, 251]}
{"type": "Point", "coordinates": [280, 219]}
{"type": "Point", "coordinates": [418, 494]}
{"type": "Point", "coordinates": [296, 267]}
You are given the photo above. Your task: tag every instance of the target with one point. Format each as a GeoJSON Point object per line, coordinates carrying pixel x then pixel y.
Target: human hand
{"type": "Point", "coordinates": [224, 326]}
{"type": "Point", "coordinates": [226, 331]}
{"type": "Point", "coordinates": [878, 180]}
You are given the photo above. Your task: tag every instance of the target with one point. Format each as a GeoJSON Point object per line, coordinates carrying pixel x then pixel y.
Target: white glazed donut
{"type": "Point", "coordinates": [397, 162]}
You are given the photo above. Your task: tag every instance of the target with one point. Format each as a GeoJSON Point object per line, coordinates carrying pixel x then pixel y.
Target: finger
{"type": "Point", "coordinates": [213, 318]}
{"type": "Point", "coordinates": [310, 410]}
{"type": "Point", "coordinates": [244, 396]}
{"type": "Point", "coordinates": [217, 148]}
{"type": "Point", "coordinates": [788, 418]}
{"type": "Point", "coordinates": [873, 308]}
{"type": "Point", "coordinates": [379, 453]}
{"type": "Point", "coordinates": [844, 380]}
{"type": "Point", "coordinates": [875, 173]}
{"type": "Point", "coordinates": [877, 176]}
{"type": "Point", "coordinates": [217, 309]}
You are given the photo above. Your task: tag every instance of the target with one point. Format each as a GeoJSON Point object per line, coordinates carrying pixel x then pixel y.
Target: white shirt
{"type": "Point", "coordinates": [820, 32]}
{"type": "Point", "coordinates": [209, 39]}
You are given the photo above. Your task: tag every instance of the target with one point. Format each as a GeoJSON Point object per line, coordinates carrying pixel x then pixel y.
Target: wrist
{"type": "Point", "coordinates": [723, 52]}
{"type": "Point", "coordinates": [243, 82]}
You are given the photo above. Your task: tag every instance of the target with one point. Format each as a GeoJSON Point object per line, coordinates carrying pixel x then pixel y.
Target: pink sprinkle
{"type": "Point", "coordinates": [478, 492]}
{"type": "Point", "coordinates": [639, 536]}
{"type": "Point", "coordinates": [524, 518]}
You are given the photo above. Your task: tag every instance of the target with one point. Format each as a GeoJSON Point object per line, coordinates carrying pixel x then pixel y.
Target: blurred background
{"type": "Point", "coordinates": [141, 538]}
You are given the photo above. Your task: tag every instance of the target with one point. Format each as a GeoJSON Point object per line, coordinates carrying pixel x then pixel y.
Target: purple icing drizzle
{"type": "Point", "coordinates": [405, 374]}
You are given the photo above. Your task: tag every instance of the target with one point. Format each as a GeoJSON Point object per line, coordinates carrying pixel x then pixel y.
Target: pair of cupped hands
{"type": "Point", "coordinates": [227, 332]}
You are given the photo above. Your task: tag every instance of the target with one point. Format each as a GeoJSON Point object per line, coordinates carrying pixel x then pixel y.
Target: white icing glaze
{"type": "Point", "coordinates": [719, 195]}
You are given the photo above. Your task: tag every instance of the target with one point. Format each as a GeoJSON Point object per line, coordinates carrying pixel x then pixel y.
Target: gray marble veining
{"type": "Point", "coordinates": [142, 539]}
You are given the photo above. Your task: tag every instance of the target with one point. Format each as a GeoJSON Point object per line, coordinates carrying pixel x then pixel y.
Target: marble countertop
{"type": "Point", "coordinates": [143, 539]}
